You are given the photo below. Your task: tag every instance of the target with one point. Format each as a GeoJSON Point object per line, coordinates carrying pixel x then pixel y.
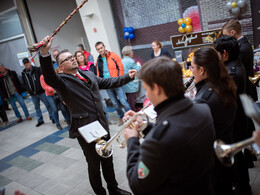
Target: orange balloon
{"type": "Point", "coordinates": [234, 4]}
{"type": "Point", "coordinates": [181, 30]}
{"type": "Point", "coordinates": [180, 21]}
{"type": "Point", "coordinates": [187, 20]}
{"type": "Point", "coordinates": [188, 28]}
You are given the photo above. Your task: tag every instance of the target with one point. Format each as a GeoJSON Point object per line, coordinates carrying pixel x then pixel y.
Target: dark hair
{"type": "Point", "coordinates": [217, 75]}
{"type": "Point", "coordinates": [85, 60]}
{"type": "Point", "coordinates": [58, 56]}
{"type": "Point", "coordinates": [229, 44]}
{"type": "Point", "coordinates": [98, 43]}
{"type": "Point", "coordinates": [232, 25]}
{"type": "Point", "coordinates": [26, 60]}
{"type": "Point", "coordinates": [81, 46]}
{"type": "Point", "coordinates": [164, 72]}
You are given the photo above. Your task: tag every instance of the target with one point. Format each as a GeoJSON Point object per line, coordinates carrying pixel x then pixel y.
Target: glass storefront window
{"type": "Point", "coordinates": [10, 24]}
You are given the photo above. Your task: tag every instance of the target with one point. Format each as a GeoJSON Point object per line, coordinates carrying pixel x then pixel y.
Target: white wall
{"type": "Point", "coordinates": [47, 15]}
{"type": "Point", "coordinates": [97, 14]}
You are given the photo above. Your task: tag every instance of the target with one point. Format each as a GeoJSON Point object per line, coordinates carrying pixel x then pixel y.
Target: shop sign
{"type": "Point", "coordinates": [195, 39]}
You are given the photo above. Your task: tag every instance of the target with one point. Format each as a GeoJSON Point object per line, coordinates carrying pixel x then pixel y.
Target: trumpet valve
{"type": "Point", "coordinates": [255, 80]}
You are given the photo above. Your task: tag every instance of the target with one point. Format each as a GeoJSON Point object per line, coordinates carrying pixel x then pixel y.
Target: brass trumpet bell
{"type": "Point", "coordinates": [103, 150]}
{"type": "Point", "coordinates": [255, 80]}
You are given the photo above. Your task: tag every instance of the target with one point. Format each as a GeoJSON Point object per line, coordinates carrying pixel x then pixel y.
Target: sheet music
{"type": "Point", "coordinates": [92, 131]}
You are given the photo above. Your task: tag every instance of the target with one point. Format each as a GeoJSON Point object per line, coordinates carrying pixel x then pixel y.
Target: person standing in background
{"type": "Point", "coordinates": [54, 54]}
{"type": "Point", "coordinates": [132, 87]}
{"type": "Point", "coordinates": [110, 65]}
{"type": "Point", "coordinates": [31, 79]}
{"type": "Point", "coordinates": [12, 89]}
{"type": "Point", "coordinates": [158, 50]}
{"type": "Point", "coordinates": [84, 64]}
{"type": "Point", "coordinates": [88, 56]}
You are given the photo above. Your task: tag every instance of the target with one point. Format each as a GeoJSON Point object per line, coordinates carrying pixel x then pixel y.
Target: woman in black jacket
{"type": "Point", "coordinates": [158, 50]}
{"type": "Point", "coordinates": [216, 88]}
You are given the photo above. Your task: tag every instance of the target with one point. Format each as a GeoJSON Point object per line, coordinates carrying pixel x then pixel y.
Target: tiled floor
{"type": "Point", "coordinates": [44, 160]}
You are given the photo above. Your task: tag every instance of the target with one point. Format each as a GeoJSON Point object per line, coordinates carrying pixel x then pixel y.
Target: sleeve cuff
{"type": "Point", "coordinates": [44, 56]}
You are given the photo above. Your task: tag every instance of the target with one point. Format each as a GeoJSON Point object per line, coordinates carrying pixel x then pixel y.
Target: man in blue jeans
{"type": "Point", "coordinates": [31, 79]}
{"type": "Point", "coordinates": [110, 65]}
{"type": "Point", "coordinates": [12, 89]}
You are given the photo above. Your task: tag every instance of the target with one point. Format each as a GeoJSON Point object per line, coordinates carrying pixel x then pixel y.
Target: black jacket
{"type": "Point", "coordinates": [176, 156]}
{"type": "Point", "coordinates": [237, 71]}
{"type": "Point", "coordinates": [164, 52]}
{"type": "Point", "coordinates": [247, 58]}
{"type": "Point", "coordinates": [18, 86]}
{"type": "Point", "coordinates": [223, 122]}
{"type": "Point", "coordinates": [31, 80]}
{"type": "Point", "coordinates": [83, 102]}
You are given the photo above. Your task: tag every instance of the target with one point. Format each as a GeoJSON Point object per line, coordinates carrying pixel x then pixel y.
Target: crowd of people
{"type": "Point", "coordinates": [176, 156]}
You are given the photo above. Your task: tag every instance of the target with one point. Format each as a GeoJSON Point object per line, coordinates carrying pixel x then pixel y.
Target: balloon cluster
{"type": "Point", "coordinates": [185, 25]}
{"type": "Point", "coordinates": [235, 6]}
{"type": "Point", "coordinates": [129, 32]}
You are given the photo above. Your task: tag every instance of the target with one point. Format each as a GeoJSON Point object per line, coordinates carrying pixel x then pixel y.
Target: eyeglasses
{"type": "Point", "coordinates": [67, 59]}
{"type": "Point", "coordinates": [192, 67]}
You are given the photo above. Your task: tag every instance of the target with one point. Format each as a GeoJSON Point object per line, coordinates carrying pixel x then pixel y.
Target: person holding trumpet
{"type": "Point", "coordinates": [80, 92]}
{"type": "Point", "coordinates": [176, 156]}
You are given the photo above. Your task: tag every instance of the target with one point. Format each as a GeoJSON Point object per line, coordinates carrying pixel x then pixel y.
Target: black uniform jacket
{"type": "Point", "coordinates": [83, 100]}
{"type": "Point", "coordinates": [3, 85]}
{"type": "Point", "coordinates": [223, 117]}
{"type": "Point", "coordinates": [176, 156]}
{"type": "Point", "coordinates": [237, 71]}
{"type": "Point", "coordinates": [32, 81]}
{"type": "Point", "coordinates": [247, 58]}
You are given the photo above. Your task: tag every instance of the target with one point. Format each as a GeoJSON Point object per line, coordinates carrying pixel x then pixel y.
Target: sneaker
{"type": "Point", "coordinates": [120, 122]}
{"type": "Point", "coordinates": [6, 123]}
{"type": "Point", "coordinates": [59, 127]}
{"type": "Point", "coordinates": [119, 191]}
{"type": "Point", "coordinates": [53, 121]}
{"type": "Point", "coordinates": [68, 122]}
{"type": "Point", "coordinates": [19, 120]}
{"type": "Point", "coordinates": [39, 124]}
{"type": "Point", "coordinates": [29, 118]}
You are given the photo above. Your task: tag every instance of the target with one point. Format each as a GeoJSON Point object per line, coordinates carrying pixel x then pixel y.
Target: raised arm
{"type": "Point", "coordinates": [50, 76]}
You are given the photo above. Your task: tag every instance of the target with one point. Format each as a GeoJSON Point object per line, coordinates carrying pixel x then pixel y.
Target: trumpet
{"type": "Point", "coordinates": [104, 148]}
{"type": "Point", "coordinates": [189, 84]}
{"type": "Point", "coordinates": [225, 152]}
{"type": "Point", "coordinates": [255, 80]}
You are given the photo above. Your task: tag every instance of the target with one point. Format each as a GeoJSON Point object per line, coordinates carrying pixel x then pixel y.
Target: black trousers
{"type": "Point", "coordinates": [94, 161]}
{"type": "Point", "coordinates": [3, 114]}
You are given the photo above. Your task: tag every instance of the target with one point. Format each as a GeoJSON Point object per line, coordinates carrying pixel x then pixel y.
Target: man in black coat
{"type": "Point", "coordinates": [12, 89]}
{"type": "Point", "coordinates": [176, 156]}
{"type": "Point", "coordinates": [31, 80]}
{"type": "Point", "coordinates": [80, 91]}
{"type": "Point", "coordinates": [233, 28]}
{"type": "Point", "coordinates": [228, 50]}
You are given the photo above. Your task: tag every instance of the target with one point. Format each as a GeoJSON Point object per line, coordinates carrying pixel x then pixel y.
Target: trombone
{"type": "Point", "coordinates": [104, 148]}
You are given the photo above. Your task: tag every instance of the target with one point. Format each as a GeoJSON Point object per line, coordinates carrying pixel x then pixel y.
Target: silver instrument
{"type": "Point", "coordinates": [226, 152]}
{"type": "Point", "coordinates": [104, 148]}
{"type": "Point", "coordinates": [189, 84]}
